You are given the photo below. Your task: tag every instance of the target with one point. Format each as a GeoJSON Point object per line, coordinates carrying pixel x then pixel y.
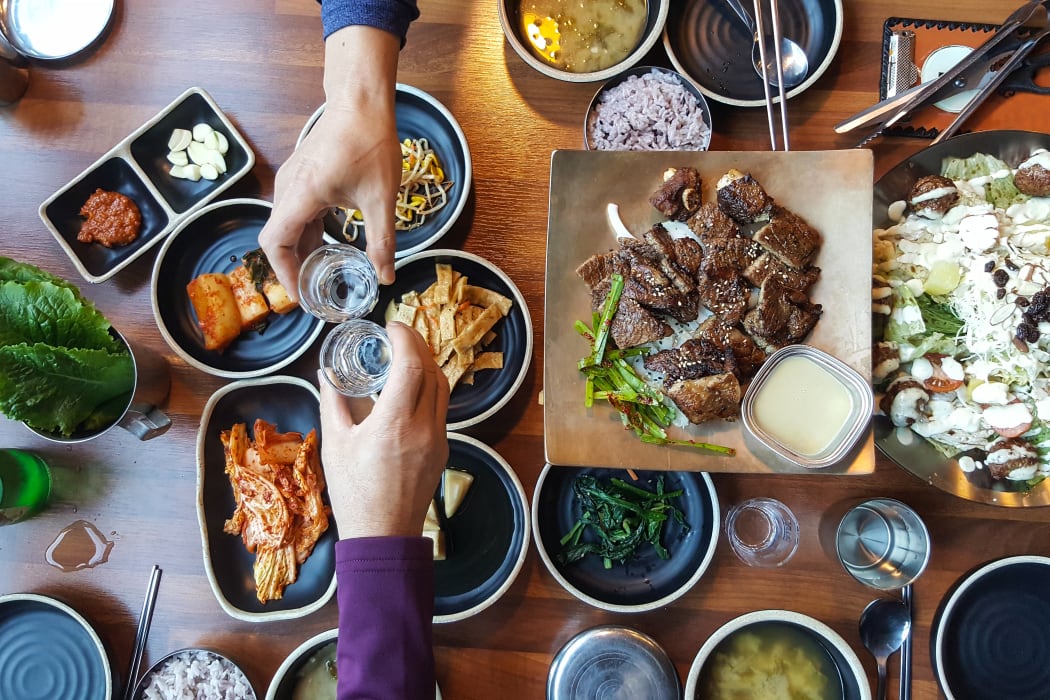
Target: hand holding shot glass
{"type": "Point", "coordinates": [337, 283]}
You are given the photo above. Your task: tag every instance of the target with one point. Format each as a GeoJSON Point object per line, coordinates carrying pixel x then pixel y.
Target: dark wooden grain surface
{"type": "Point", "coordinates": [262, 63]}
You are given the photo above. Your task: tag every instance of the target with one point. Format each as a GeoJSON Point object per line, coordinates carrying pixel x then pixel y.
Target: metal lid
{"type": "Point", "coordinates": [55, 29]}
{"type": "Point", "coordinates": [612, 663]}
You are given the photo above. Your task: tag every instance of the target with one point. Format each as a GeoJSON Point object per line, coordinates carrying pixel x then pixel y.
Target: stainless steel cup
{"type": "Point", "coordinates": [14, 80]}
{"type": "Point", "coordinates": [141, 417]}
{"type": "Point", "coordinates": [883, 544]}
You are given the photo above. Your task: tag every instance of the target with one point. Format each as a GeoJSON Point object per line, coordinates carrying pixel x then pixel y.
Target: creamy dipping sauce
{"type": "Point", "coordinates": [802, 406]}
{"type": "Point", "coordinates": [582, 37]}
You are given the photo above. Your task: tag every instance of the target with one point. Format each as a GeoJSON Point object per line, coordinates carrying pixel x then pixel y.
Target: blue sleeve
{"type": "Point", "coordinates": [386, 607]}
{"type": "Point", "coordinates": [393, 16]}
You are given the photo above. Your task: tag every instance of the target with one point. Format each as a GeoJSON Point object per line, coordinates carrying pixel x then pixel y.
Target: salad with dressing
{"type": "Point", "coordinates": [961, 282]}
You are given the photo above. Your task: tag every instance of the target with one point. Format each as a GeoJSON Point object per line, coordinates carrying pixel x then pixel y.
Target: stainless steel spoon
{"type": "Point", "coordinates": [793, 60]}
{"type": "Point", "coordinates": [884, 625]}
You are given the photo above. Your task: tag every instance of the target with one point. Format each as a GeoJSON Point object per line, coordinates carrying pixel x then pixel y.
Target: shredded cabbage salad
{"type": "Point", "coordinates": [965, 357]}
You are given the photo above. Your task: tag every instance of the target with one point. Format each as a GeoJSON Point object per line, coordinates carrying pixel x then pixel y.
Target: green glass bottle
{"type": "Point", "coordinates": [25, 485]}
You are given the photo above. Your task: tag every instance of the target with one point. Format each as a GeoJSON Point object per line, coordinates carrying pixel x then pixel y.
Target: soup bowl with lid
{"type": "Point", "coordinates": [545, 34]}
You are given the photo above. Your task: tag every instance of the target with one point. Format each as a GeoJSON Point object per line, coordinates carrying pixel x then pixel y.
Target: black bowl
{"type": "Point", "coordinates": [707, 42]}
{"type": "Point", "coordinates": [213, 240]}
{"type": "Point", "coordinates": [492, 388]}
{"type": "Point", "coordinates": [487, 538]}
{"type": "Point", "coordinates": [292, 405]}
{"type": "Point", "coordinates": [645, 582]}
{"type": "Point", "coordinates": [419, 115]}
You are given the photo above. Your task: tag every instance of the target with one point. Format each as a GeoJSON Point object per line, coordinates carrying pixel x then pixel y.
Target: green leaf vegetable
{"type": "Point", "coordinates": [622, 517]}
{"type": "Point", "coordinates": [939, 318]}
{"type": "Point", "coordinates": [999, 191]}
{"type": "Point", "coordinates": [611, 377]}
{"type": "Point", "coordinates": [60, 368]}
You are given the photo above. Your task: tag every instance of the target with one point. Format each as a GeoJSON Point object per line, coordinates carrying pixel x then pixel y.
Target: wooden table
{"type": "Point", "coordinates": [262, 63]}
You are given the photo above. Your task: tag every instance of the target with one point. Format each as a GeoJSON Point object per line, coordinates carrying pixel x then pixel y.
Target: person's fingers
{"type": "Point", "coordinates": [378, 212]}
{"type": "Point", "coordinates": [336, 414]}
{"type": "Point", "coordinates": [280, 238]}
{"type": "Point", "coordinates": [401, 393]}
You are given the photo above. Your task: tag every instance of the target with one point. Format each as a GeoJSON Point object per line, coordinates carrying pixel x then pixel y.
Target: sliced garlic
{"type": "Point", "coordinates": [180, 138]}
{"type": "Point", "coordinates": [211, 141]}
{"type": "Point", "coordinates": [192, 172]}
{"type": "Point", "coordinates": [224, 144]}
{"type": "Point", "coordinates": [178, 158]}
{"type": "Point", "coordinates": [177, 171]}
{"type": "Point", "coordinates": [216, 159]}
{"type": "Point", "coordinates": [208, 172]}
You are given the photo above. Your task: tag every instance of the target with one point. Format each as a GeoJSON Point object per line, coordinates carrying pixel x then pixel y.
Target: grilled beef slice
{"type": "Point", "coordinates": [783, 316]}
{"type": "Point", "coordinates": [741, 197]}
{"type": "Point", "coordinates": [789, 238]}
{"type": "Point", "coordinates": [679, 196]}
{"type": "Point", "coordinates": [707, 398]}
{"type": "Point", "coordinates": [768, 265]}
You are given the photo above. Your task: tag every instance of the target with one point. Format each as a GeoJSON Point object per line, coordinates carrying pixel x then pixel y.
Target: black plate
{"type": "Point", "coordinates": [420, 115]}
{"type": "Point", "coordinates": [918, 457]}
{"type": "Point", "coordinates": [138, 168]}
{"type": "Point", "coordinates": [213, 240]}
{"type": "Point", "coordinates": [292, 405]}
{"type": "Point", "coordinates": [645, 582]}
{"type": "Point", "coordinates": [709, 43]}
{"type": "Point", "coordinates": [492, 388]}
{"type": "Point", "coordinates": [991, 636]}
{"type": "Point", "coordinates": [49, 651]}
{"type": "Point", "coordinates": [487, 538]}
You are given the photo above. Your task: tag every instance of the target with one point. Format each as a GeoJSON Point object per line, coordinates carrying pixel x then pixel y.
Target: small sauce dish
{"type": "Point", "coordinates": [807, 406]}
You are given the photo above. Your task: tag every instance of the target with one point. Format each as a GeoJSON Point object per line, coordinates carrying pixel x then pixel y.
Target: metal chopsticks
{"type": "Point", "coordinates": [761, 33]}
{"type": "Point", "coordinates": [145, 617]}
{"type": "Point", "coordinates": [905, 674]}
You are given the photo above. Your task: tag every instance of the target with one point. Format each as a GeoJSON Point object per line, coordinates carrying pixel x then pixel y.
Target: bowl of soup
{"type": "Point", "coordinates": [309, 672]}
{"type": "Point", "coordinates": [776, 653]}
{"type": "Point", "coordinates": [582, 42]}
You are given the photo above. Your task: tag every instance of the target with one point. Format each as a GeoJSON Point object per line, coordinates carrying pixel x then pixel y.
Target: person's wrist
{"type": "Point", "coordinates": [360, 68]}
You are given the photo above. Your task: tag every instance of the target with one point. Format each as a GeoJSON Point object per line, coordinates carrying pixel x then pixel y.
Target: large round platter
{"type": "Point", "coordinates": [645, 582]}
{"type": "Point", "coordinates": [707, 42]}
{"type": "Point", "coordinates": [47, 651]}
{"type": "Point", "coordinates": [419, 115]}
{"type": "Point", "coordinates": [912, 453]}
{"type": "Point", "coordinates": [213, 240]}
{"type": "Point", "coordinates": [991, 635]}
{"type": "Point", "coordinates": [292, 405]}
{"type": "Point", "coordinates": [487, 537]}
{"type": "Point", "coordinates": [470, 404]}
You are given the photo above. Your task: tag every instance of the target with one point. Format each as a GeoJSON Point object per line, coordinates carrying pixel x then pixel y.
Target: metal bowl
{"type": "Point", "coordinates": [230, 670]}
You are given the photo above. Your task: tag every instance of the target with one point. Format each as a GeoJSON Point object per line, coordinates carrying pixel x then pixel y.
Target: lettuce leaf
{"type": "Point", "coordinates": [906, 317]}
{"type": "Point", "coordinates": [977, 165]}
{"type": "Point", "coordinates": [55, 389]}
{"type": "Point", "coordinates": [14, 271]}
{"type": "Point", "coordinates": [39, 311]}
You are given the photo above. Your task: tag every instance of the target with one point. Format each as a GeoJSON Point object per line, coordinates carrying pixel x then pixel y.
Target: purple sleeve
{"type": "Point", "coordinates": [393, 16]}
{"type": "Point", "coordinates": [386, 606]}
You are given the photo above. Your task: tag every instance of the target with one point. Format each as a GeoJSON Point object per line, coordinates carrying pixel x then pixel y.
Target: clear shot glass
{"type": "Point", "coordinates": [356, 357]}
{"type": "Point", "coordinates": [763, 532]}
{"type": "Point", "coordinates": [338, 283]}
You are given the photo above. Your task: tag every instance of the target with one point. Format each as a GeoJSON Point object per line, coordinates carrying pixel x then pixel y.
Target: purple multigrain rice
{"type": "Point", "coordinates": [651, 112]}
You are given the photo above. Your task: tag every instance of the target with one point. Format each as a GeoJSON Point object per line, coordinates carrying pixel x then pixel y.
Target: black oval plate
{"type": "Point", "coordinates": [707, 42]}
{"type": "Point", "coordinates": [213, 240]}
{"type": "Point", "coordinates": [487, 538]}
{"type": "Point", "coordinates": [645, 582]}
{"type": "Point", "coordinates": [292, 405]}
{"type": "Point", "coordinates": [991, 635]}
{"type": "Point", "coordinates": [420, 115]}
{"type": "Point", "coordinates": [48, 651]}
{"type": "Point", "coordinates": [918, 457]}
{"type": "Point", "coordinates": [492, 388]}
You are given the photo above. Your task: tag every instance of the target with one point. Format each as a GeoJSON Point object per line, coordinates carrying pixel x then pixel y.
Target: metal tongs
{"type": "Point", "coordinates": [990, 63]}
